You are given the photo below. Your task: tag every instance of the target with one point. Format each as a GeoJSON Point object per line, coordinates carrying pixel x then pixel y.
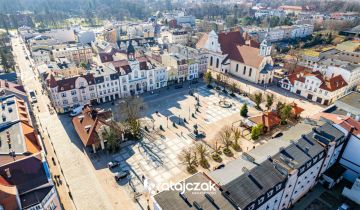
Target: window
{"type": "Point", "coordinates": [217, 62]}
{"type": "Point", "coordinates": [237, 67]}
{"type": "Point", "coordinates": [211, 61]}
{"type": "Point", "coordinates": [75, 99]}
{"type": "Point", "coordinates": [124, 87]}
{"type": "Point", "coordinates": [73, 92]}
{"type": "Point", "coordinates": [63, 95]}
{"type": "Point", "coordinates": [91, 88]}
{"type": "Point", "coordinates": [244, 72]}
{"type": "Point", "coordinates": [65, 102]}
{"type": "Point", "coordinates": [261, 200]}
{"type": "Point", "coordinates": [250, 72]}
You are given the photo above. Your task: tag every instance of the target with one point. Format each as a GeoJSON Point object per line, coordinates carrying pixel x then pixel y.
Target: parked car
{"type": "Point", "coordinates": [121, 175]}
{"type": "Point", "coordinates": [32, 96]}
{"type": "Point", "coordinates": [113, 164]}
{"type": "Point", "coordinates": [344, 206]}
{"type": "Point", "coordinates": [220, 166]}
{"type": "Point", "coordinates": [76, 111]}
{"type": "Point", "coordinates": [277, 135]}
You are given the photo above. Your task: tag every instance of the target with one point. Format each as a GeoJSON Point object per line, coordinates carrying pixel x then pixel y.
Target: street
{"type": "Point", "coordinates": [74, 166]}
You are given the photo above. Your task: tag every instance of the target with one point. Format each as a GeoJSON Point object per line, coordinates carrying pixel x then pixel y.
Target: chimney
{"type": "Point", "coordinates": [332, 75]}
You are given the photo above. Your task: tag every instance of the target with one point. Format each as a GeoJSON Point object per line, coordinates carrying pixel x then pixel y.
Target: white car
{"type": "Point", "coordinates": [32, 96]}
{"type": "Point", "coordinates": [76, 111]}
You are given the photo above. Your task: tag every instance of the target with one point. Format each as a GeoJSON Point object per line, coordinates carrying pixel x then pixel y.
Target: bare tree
{"type": "Point", "coordinates": [188, 159]}
{"type": "Point", "coordinates": [236, 136]}
{"type": "Point", "coordinates": [202, 151]}
{"type": "Point", "coordinates": [225, 137]}
{"type": "Point", "coordinates": [129, 112]}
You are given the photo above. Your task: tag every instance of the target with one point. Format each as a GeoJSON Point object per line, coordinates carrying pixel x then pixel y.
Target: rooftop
{"type": "Point", "coordinates": [253, 183]}
{"type": "Point", "coordinates": [352, 100]}
{"type": "Point", "coordinates": [26, 174]}
{"type": "Point", "coordinates": [209, 200]}
{"type": "Point", "coordinates": [89, 124]}
{"type": "Point", "coordinates": [230, 171]}
{"type": "Point", "coordinates": [273, 146]}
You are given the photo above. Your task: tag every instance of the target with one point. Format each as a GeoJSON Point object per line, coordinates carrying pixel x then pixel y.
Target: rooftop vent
{"type": "Point", "coordinates": [197, 206]}
{"type": "Point", "coordinates": [183, 196]}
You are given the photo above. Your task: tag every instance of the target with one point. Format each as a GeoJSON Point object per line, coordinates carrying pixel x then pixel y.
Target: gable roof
{"type": "Point", "coordinates": [89, 123]}
{"type": "Point", "coordinates": [26, 174]}
{"type": "Point", "coordinates": [248, 187]}
{"type": "Point", "coordinates": [268, 119]}
{"type": "Point", "coordinates": [66, 84]}
{"type": "Point", "coordinates": [248, 55]}
{"type": "Point", "coordinates": [331, 84]}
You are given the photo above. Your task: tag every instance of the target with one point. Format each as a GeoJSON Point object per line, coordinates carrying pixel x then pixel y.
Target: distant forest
{"type": "Point", "coordinates": [51, 12]}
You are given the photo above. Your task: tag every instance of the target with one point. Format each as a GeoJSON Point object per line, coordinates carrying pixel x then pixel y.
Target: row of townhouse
{"type": "Point", "coordinates": [25, 179]}
{"type": "Point", "coordinates": [272, 176]}
{"type": "Point", "coordinates": [76, 53]}
{"type": "Point", "coordinates": [282, 32]}
{"type": "Point", "coordinates": [237, 54]}
{"type": "Point", "coordinates": [111, 81]}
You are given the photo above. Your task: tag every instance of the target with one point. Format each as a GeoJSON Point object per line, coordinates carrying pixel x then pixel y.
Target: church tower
{"type": "Point", "coordinates": [265, 46]}
{"type": "Point", "coordinates": [131, 52]}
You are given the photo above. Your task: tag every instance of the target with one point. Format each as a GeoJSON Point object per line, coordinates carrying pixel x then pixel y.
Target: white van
{"type": "Point", "coordinates": [76, 111]}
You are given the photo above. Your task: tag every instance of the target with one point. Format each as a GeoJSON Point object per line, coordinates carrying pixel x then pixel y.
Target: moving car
{"type": "Point", "coordinates": [76, 111]}
{"type": "Point", "coordinates": [113, 164]}
{"type": "Point", "coordinates": [121, 175]}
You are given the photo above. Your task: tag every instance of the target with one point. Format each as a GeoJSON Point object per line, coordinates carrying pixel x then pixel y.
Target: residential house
{"type": "Point", "coordinates": [90, 126]}
{"type": "Point", "coordinates": [67, 93]}
{"type": "Point", "coordinates": [349, 46]}
{"type": "Point", "coordinates": [86, 37]}
{"type": "Point", "coordinates": [19, 138]}
{"type": "Point", "coordinates": [280, 172]}
{"type": "Point", "coordinates": [107, 83]}
{"type": "Point", "coordinates": [27, 184]}
{"type": "Point", "coordinates": [136, 74]}
{"type": "Point", "coordinates": [196, 55]}
{"type": "Point", "coordinates": [175, 37]}
{"type": "Point", "coordinates": [347, 154]}
{"type": "Point", "coordinates": [183, 68]}
{"type": "Point", "coordinates": [74, 53]}
{"type": "Point", "coordinates": [315, 86]}
{"type": "Point", "coordinates": [268, 119]}
{"type": "Point", "coordinates": [62, 35]}
{"type": "Point", "coordinates": [238, 55]}
{"type": "Point", "coordinates": [291, 9]}
{"type": "Point", "coordinates": [347, 105]}
{"type": "Point", "coordinates": [41, 55]}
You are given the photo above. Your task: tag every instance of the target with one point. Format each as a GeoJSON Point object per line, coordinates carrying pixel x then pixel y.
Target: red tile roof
{"type": "Point", "coordinates": [331, 84]}
{"type": "Point", "coordinates": [267, 119]}
{"type": "Point", "coordinates": [68, 83]}
{"type": "Point", "coordinates": [247, 55]}
{"type": "Point", "coordinates": [344, 121]}
{"type": "Point", "coordinates": [296, 110]}
{"type": "Point", "coordinates": [88, 124]}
